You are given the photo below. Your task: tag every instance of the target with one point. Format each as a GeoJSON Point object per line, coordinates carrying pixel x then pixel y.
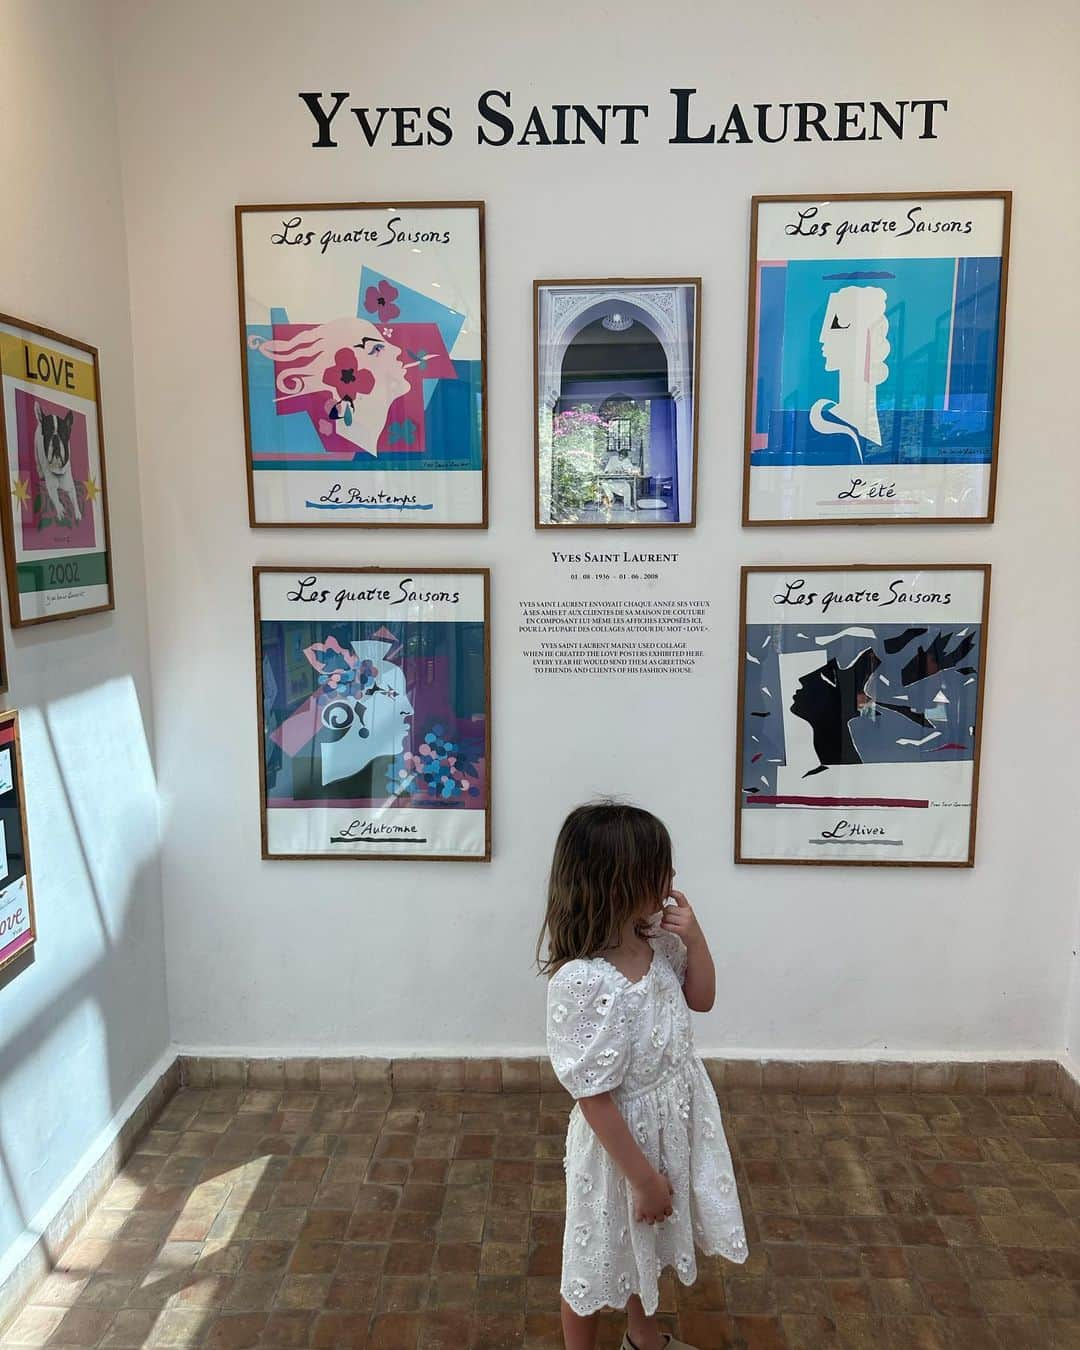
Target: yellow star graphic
{"type": "Point", "coordinates": [20, 490]}
{"type": "Point", "coordinates": [92, 490]}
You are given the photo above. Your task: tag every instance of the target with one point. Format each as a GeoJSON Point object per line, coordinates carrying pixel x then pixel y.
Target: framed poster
{"type": "Point", "coordinates": [55, 514]}
{"type": "Point", "coordinates": [616, 380]}
{"type": "Point", "coordinates": [362, 339]}
{"type": "Point", "coordinates": [860, 705]}
{"type": "Point", "coordinates": [874, 358]}
{"type": "Point", "coordinates": [374, 712]}
{"type": "Point", "coordinates": [18, 931]}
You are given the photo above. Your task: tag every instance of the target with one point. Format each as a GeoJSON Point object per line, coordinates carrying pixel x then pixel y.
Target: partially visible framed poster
{"type": "Point", "coordinates": [374, 712]}
{"type": "Point", "coordinates": [362, 339]}
{"type": "Point", "coordinates": [860, 706]}
{"type": "Point", "coordinates": [875, 345]}
{"type": "Point", "coordinates": [18, 931]}
{"type": "Point", "coordinates": [616, 381]}
{"type": "Point", "coordinates": [55, 513]}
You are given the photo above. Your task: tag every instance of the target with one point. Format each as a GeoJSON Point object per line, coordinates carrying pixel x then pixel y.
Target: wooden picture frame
{"type": "Point", "coordinates": [658, 364]}
{"type": "Point", "coordinates": [897, 419]}
{"type": "Point", "coordinates": [55, 515]}
{"type": "Point", "coordinates": [395, 436]}
{"type": "Point", "coordinates": [4, 671]}
{"type": "Point", "coordinates": [812, 767]}
{"type": "Point", "coordinates": [344, 680]}
{"type": "Point", "coordinates": [18, 921]}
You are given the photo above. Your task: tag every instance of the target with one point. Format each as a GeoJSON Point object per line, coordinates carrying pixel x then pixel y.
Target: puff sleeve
{"type": "Point", "coordinates": [588, 1036]}
{"type": "Point", "coordinates": [673, 949]}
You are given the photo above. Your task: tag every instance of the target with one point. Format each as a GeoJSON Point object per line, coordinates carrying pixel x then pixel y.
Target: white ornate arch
{"type": "Point", "coordinates": [565, 312]}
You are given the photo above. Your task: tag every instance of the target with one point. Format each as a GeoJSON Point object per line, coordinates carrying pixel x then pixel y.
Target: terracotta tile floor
{"type": "Point", "coordinates": [434, 1220]}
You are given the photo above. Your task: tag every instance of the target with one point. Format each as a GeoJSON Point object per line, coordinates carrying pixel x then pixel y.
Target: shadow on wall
{"type": "Point", "coordinates": [76, 1034]}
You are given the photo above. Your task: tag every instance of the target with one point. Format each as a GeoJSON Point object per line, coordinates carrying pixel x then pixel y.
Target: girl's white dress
{"type": "Point", "coordinates": [608, 1034]}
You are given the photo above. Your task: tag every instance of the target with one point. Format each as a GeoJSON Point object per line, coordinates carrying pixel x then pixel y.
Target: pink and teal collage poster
{"type": "Point", "coordinates": [362, 332]}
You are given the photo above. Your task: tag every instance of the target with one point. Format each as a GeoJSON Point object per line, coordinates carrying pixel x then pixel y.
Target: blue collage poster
{"type": "Point", "coordinates": [875, 353]}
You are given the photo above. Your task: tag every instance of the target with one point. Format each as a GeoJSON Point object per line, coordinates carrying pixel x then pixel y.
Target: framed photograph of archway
{"type": "Point", "coordinates": [362, 343]}
{"type": "Point", "coordinates": [18, 928]}
{"type": "Point", "coordinates": [55, 512]}
{"type": "Point", "coordinates": [874, 358]}
{"type": "Point", "coordinates": [374, 712]}
{"type": "Point", "coordinates": [860, 707]}
{"type": "Point", "coordinates": [616, 366]}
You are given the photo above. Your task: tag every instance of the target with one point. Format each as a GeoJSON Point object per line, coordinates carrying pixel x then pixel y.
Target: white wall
{"type": "Point", "coordinates": [85, 1019]}
{"type": "Point", "coordinates": [278, 957]}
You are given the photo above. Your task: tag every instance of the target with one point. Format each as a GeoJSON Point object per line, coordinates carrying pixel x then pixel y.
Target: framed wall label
{"type": "Point", "coordinates": [875, 349]}
{"type": "Point", "coordinates": [374, 712]}
{"type": "Point", "coordinates": [860, 707]}
{"type": "Point", "coordinates": [362, 339]}
{"type": "Point", "coordinates": [616, 379]}
{"type": "Point", "coordinates": [55, 514]}
{"type": "Point", "coordinates": [18, 929]}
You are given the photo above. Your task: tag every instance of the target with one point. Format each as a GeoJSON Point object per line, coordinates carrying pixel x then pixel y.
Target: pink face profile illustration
{"type": "Point", "coordinates": [369, 726]}
{"type": "Point", "coordinates": [352, 369]}
{"type": "Point", "coordinates": [854, 344]}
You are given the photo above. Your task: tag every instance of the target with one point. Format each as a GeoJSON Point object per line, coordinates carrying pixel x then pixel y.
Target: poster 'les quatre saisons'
{"type": "Point", "coordinates": [374, 712]}
{"type": "Point", "coordinates": [362, 344]}
{"type": "Point", "coordinates": [55, 514]}
{"type": "Point", "coordinates": [860, 706]}
{"type": "Point", "coordinates": [874, 358]}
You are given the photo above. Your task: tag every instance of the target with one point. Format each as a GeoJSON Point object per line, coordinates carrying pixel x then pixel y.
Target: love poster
{"type": "Point", "coordinates": [56, 531]}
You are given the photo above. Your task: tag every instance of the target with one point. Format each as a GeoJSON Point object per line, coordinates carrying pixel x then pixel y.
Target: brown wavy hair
{"type": "Point", "coordinates": [611, 862]}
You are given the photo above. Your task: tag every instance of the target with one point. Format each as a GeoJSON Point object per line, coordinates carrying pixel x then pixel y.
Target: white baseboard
{"type": "Point", "coordinates": [862, 1054]}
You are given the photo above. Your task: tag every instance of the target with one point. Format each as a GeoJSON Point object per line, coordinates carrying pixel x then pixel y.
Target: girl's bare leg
{"type": "Point", "coordinates": [644, 1331]}
{"type": "Point", "coordinates": [579, 1333]}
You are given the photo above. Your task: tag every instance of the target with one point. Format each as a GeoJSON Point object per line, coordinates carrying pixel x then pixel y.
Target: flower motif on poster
{"type": "Point", "coordinates": [374, 719]}
{"type": "Point", "coordinates": [363, 361]}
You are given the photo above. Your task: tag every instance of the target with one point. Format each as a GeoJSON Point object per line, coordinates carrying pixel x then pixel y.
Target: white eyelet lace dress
{"type": "Point", "coordinates": [606, 1033]}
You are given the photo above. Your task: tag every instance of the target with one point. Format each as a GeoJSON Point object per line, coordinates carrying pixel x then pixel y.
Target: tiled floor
{"type": "Point", "coordinates": [350, 1218]}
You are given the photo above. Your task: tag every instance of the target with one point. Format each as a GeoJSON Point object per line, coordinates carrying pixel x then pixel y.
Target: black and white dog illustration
{"type": "Point", "coordinates": [53, 454]}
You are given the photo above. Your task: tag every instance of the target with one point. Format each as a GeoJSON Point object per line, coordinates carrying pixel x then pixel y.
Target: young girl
{"type": "Point", "coordinates": [648, 1172]}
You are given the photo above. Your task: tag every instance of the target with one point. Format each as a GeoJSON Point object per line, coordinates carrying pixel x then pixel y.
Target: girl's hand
{"type": "Point", "coordinates": [652, 1199]}
{"type": "Point", "coordinates": [680, 919]}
